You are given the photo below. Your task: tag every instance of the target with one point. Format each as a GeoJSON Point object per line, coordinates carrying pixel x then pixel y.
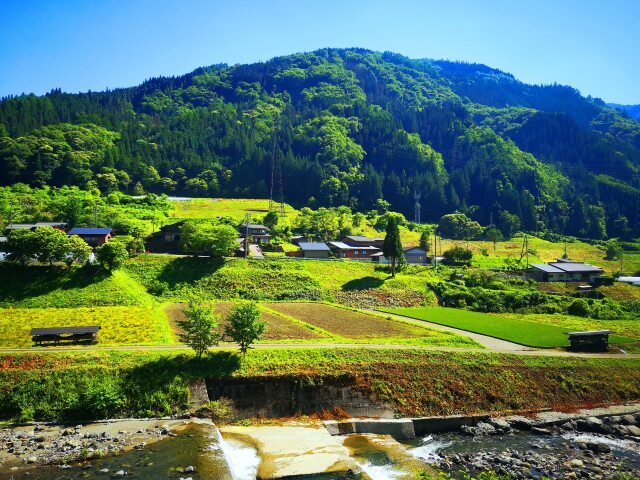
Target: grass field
{"type": "Point", "coordinates": [120, 325]}
{"type": "Point", "coordinates": [524, 332]}
{"type": "Point", "coordinates": [225, 207]}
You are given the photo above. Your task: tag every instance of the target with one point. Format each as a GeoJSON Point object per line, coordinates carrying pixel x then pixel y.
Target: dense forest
{"type": "Point", "coordinates": [344, 127]}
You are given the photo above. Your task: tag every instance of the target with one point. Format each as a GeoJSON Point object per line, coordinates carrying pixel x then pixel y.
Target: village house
{"type": "Point", "coordinates": [166, 239]}
{"type": "Point", "coordinates": [412, 255]}
{"type": "Point", "coordinates": [564, 270]}
{"type": "Point", "coordinates": [92, 236]}
{"type": "Point", "coordinates": [342, 250]}
{"type": "Point", "coordinates": [311, 250]}
{"type": "Point", "coordinates": [360, 241]}
{"type": "Point", "coordinates": [256, 233]}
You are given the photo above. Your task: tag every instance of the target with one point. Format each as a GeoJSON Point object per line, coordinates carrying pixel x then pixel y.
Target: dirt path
{"type": "Point", "coordinates": [485, 340]}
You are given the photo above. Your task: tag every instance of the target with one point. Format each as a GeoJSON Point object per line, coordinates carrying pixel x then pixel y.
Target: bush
{"type": "Point", "coordinates": [579, 307]}
{"type": "Point", "coordinates": [458, 256]}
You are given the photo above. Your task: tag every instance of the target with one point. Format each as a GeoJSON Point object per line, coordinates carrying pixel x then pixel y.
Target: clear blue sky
{"type": "Point", "coordinates": [79, 45]}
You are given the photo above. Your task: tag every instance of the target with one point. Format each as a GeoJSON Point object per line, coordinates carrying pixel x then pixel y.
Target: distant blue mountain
{"type": "Point", "coordinates": [632, 110]}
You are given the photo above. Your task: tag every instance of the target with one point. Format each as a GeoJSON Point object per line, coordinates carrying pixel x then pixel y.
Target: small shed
{"type": "Point", "coordinates": [314, 250]}
{"type": "Point", "coordinates": [591, 341]}
{"type": "Point", "coordinates": [56, 335]}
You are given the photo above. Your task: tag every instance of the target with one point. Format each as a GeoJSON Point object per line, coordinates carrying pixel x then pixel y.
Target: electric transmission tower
{"type": "Point", "coordinates": [416, 206]}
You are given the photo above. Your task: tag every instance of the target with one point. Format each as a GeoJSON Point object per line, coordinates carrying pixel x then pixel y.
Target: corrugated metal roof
{"type": "Point", "coordinates": [546, 268]}
{"type": "Point", "coordinates": [575, 267]}
{"type": "Point", "coordinates": [89, 231]}
{"type": "Point", "coordinates": [64, 330]}
{"type": "Point", "coordinates": [360, 238]}
{"type": "Point", "coordinates": [344, 246]}
{"type": "Point", "coordinates": [590, 333]}
{"type": "Point", "coordinates": [314, 246]}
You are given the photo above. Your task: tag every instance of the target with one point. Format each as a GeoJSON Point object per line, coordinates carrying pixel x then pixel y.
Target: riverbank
{"type": "Point", "coordinates": [52, 444]}
{"type": "Point", "coordinates": [409, 383]}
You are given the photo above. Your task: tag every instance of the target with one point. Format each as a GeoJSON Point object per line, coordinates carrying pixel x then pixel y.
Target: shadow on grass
{"type": "Point", "coordinates": [158, 387]}
{"type": "Point", "coordinates": [363, 283]}
{"type": "Point", "coordinates": [188, 269]}
{"type": "Point", "coordinates": [36, 280]}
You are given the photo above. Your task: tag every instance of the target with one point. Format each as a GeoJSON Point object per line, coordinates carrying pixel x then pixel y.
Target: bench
{"type": "Point", "coordinates": [56, 335]}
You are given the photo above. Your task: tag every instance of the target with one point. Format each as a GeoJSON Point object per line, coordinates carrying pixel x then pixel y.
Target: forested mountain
{"type": "Point", "coordinates": [632, 110]}
{"type": "Point", "coordinates": [345, 126]}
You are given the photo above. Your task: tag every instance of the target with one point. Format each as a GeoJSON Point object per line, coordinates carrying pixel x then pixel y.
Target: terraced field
{"type": "Point", "coordinates": [120, 325]}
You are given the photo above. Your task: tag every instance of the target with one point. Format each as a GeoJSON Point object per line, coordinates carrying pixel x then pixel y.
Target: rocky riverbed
{"type": "Point", "coordinates": [43, 444]}
{"type": "Point", "coordinates": [595, 448]}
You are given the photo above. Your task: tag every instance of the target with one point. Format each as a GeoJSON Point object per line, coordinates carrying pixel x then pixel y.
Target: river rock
{"type": "Point", "coordinates": [541, 431]}
{"type": "Point", "coordinates": [119, 474]}
{"type": "Point", "coordinates": [500, 424]}
{"type": "Point", "coordinates": [628, 420]}
{"type": "Point", "coordinates": [483, 428]}
{"type": "Point", "coordinates": [190, 469]}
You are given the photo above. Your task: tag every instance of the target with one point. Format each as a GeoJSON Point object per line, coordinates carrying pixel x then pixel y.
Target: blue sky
{"type": "Point", "coordinates": [593, 45]}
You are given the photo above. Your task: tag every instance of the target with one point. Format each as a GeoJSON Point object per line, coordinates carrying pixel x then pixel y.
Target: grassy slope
{"type": "Point", "coordinates": [39, 296]}
{"type": "Point", "coordinates": [511, 328]}
{"type": "Point", "coordinates": [41, 286]}
{"type": "Point", "coordinates": [66, 386]}
{"type": "Point", "coordinates": [277, 279]}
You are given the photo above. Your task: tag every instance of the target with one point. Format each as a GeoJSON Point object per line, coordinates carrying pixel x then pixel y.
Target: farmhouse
{"type": "Point", "coordinates": [412, 255]}
{"type": "Point", "coordinates": [166, 239]}
{"type": "Point", "coordinates": [92, 236]}
{"type": "Point", "coordinates": [314, 250]}
{"type": "Point", "coordinates": [564, 270]}
{"type": "Point", "coordinates": [590, 341]}
{"type": "Point", "coordinates": [360, 241]}
{"type": "Point", "coordinates": [342, 250]}
{"type": "Point", "coordinates": [256, 233]}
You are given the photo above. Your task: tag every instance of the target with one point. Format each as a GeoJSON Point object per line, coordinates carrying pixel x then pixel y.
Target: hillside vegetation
{"type": "Point", "coordinates": [108, 384]}
{"type": "Point", "coordinates": [350, 127]}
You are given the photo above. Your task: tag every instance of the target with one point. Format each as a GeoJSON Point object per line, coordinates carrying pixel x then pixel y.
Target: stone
{"type": "Point", "coordinates": [500, 424]}
{"type": "Point", "coordinates": [576, 462]}
{"type": "Point", "coordinates": [32, 459]}
{"type": "Point", "coordinates": [628, 420]}
{"type": "Point", "coordinates": [119, 474]}
{"type": "Point", "coordinates": [190, 469]}
{"type": "Point", "coordinates": [103, 470]}
{"type": "Point", "coordinates": [633, 430]}
{"type": "Point", "coordinates": [483, 428]}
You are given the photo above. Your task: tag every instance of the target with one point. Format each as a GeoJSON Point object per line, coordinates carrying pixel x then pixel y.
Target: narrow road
{"type": "Point", "coordinates": [255, 252]}
{"type": "Point", "coordinates": [488, 342]}
{"type": "Point", "coordinates": [263, 346]}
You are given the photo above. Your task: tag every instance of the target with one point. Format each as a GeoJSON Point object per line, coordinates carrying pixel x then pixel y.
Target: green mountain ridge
{"type": "Point", "coordinates": [345, 126]}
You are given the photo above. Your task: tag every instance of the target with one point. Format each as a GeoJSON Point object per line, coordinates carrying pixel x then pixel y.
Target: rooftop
{"type": "Point", "coordinates": [314, 246]}
{"type": "Point", "coordinates": [64, 330]}
{"type": "Point", "coordinates": [360, 238]}
{"type": "Point", "coordinates": [576, 267]}
{"type": "Point", "coordinates": [253, 225]}
{"type": "Point", "coordinates": [344, 246]}
{"type": "Point", "coordinates": [591, 333]}
{"type": "Point", "coordinates": [546, 268]}
{"type": "Point", "coordinates": [89, 231]}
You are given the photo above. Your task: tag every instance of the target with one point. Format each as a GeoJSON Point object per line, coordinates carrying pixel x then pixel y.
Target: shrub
{"type": "Point", "coordinates": [579, 307]}
{"type": "Point", "coordinates": [458, 256]}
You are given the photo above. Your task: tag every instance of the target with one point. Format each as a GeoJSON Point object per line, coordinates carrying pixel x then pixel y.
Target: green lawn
{"type": "Point", "coordinates": [512, 329]}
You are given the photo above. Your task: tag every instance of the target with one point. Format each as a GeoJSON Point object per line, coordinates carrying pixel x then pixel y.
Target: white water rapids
{"type": "Point", "coordinates": [243, 460]}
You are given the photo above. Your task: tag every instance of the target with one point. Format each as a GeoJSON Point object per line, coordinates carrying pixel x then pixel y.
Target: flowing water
{"type": "Point", "coordinates": [219, 458]}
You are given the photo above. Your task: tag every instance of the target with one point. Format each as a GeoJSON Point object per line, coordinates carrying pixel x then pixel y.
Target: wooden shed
{"type": "Point", "coordinates": [591, 341]}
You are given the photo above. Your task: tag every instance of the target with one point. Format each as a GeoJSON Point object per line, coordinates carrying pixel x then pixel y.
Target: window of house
{"type": "Point", "coordinates": [355, 252]}
{"type": "Point", "coordinates": [364, 252]}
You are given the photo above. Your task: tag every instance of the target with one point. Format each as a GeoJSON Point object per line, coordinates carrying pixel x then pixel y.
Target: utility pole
{"type": "Point", "coordinates": [416, 206]}
{"type": "Point", "coordinates": [620, 258]}
{"type": "Point", "coordinates": [435, 250]}
{"type": "Point", "coordinates": [526, 243]}
{"type": "Point", "coordinates": [95, 214]}
{"type": "Point", "coordinates": [246, 235]}
{"type": "Point", "coordinates": [565, 249]}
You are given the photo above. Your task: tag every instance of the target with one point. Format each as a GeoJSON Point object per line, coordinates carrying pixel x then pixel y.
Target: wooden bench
{"type": "Point", "coordinates": [55, 335]}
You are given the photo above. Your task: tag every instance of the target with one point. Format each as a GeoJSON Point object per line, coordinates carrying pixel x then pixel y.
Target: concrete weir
{"type": "Point", "coordinates": [402, 428]}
